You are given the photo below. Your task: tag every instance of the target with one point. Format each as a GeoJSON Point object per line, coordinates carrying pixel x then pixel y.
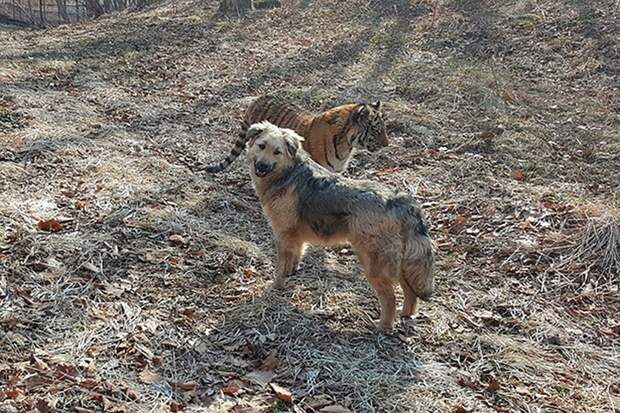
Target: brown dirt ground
{"type": "Point", "coordinates": [152, 293]}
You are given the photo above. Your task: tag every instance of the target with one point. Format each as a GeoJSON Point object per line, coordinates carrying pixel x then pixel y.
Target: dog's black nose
{"type": "Point", "coordinates": [262, 168]}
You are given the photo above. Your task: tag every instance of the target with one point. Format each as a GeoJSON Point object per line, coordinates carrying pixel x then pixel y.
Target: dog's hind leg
{"type": "Point", "coordinates": [289, 254]}
{"type": "Point", "coordinates": [411, 300]}
{"type": "Point", "coordinates": [385, 292]}
{"type": "Point", "coordinates": [378, 273]}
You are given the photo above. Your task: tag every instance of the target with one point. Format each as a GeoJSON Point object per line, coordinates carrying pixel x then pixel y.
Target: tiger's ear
{"type": "Point", "coordinates": [377, 106]}
{"type": "Point", "coordinates": [254, 132]}
{"type": "Point", "coordinates": [360, 114]}
{"type": "Point", "coordinates": [293, 141]}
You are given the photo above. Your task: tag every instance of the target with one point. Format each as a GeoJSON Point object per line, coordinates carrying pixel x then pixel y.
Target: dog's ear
{"type": "Point", "coordinates": [360, 114]}
{"type": "Point", "coordinates": [254, 132]}
{"type": "Point", "coordinates": [293, 141]}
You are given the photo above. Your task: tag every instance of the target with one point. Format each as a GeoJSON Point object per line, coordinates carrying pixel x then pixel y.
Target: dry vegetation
{"type": "Point", "coordinates": [129, 282]}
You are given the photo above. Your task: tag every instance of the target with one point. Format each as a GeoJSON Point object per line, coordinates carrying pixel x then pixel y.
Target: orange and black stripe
{"type": "Point", "coordinates": [268, 108]}
{"type": "Point", "coordinates": [329, 136]}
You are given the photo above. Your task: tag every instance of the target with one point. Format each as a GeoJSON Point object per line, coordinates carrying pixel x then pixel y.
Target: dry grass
{"type": "Point", "coordinates": [153, 294]}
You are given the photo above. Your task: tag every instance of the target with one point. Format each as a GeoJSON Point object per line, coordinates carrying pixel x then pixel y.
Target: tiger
{"type": "Point", "coordinates": [329, 136]}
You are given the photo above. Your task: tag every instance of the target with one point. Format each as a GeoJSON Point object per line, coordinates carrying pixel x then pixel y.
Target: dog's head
{"type": "Point", "coordinates": [271, 149]}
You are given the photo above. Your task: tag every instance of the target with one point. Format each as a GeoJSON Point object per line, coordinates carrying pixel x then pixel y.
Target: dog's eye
{"type": "Point", "coordinates": [261, 146]}
{"type": "Point", "coordinates": [277, 152]}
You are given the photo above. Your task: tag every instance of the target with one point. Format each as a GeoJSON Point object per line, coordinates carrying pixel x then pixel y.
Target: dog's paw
{"type": "Point", "coordinates": [278, 284]}
{"type": "Point", "coordinates": [385, 326]}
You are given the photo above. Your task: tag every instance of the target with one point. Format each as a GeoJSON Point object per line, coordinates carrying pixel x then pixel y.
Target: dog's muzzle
{"type": "Point", "coordinates": [261, 169]}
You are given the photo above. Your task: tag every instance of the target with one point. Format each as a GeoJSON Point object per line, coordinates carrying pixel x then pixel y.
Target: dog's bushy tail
{"type": "Point", "coordinates": [418, 260]}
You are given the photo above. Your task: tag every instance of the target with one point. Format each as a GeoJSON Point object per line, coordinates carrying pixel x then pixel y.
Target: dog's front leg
{"type": "Point", "coordinates": [289, 254]}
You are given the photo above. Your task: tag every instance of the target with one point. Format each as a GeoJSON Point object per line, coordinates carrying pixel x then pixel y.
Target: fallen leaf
{"type": "Point", "coordinates": [131, 394]}
{"type": "Point", "coordinates": [64, 369]}
{"type": "Point", "coordinates": [90, 267]}
{"type": "Point", "coordinates": [82, 410]}
{"type": "Point", "coordinates": [230, 390]}
{"type": "Point", "coordinates": [145, 351]}
{"type": "Point", "coordinates": [89, 383]}
{"type": "Point", "coordinates": [80, 204]}
{"type": "Point", "coordinates": [456, 224]}
{"type": "Point", "coordinates": [98, 397]}
{"type": "Point", "coordinates": [12, 394]}
{"type": "Point", "coordinates": [8, 323]}
{"type": "Point", "coordinates": [487, 135]}
{"type": "Point", "coordinates": [13, 379]}
{"type": "Point", "coordinates": [482, 313]}
{"type": "Point", "coordinates": [98, 187]}
{"type": "Point", "coordinates": [260, 377]}
{"type": "Point", "coordinates": [518, 174]}
{"type": "Point", "coordinates": [524, 225]}
{"type": "Point", "coordinates": [318, 404]}
{"type": "Point", "coordinates": [493, 386]}
{"type": "Point", "coordinates": [282, 393]}
{"type": "Point", "coordinates": [188, 312]}
{"type": "Point", "coordinates": [389, 170]}
{"type": "Point", "coordinates": [149, 377]}
{"type": "Point", "coordinates": [335, 408]}
{"type": "Point", "coordinates": [508, 97]}
{"type": "Point", "coordinates": [178, 240]}
{"type": "Point", "coordinates": [270, 362]}
{"type": "Point", "coordinates": [39, 266]}
{"type": "Point", "coordinates": [460, 409]}
{"type": "Point", "coordinates": [51, 225]}
{"type": "Point", "coordinates": [43, 406]}
{"type": "Point", "coordinates": [465, 382]}
{"type": "Point", "coordinates": [38, 380]}
{"type": "Point", "coordinates": [206, 400]}
{"type": "Point", "coordinates": [176, 407]}
{"type": "Point", "coordinates": [459, 219]}
{"type": "Point", "coordinates": [249, 272]}
{"type": "Point", "coordinates": [38, 363]}
{"type": "Point", "coordinates": [188, 386]}
{"type": "Point", "coordinates": [555, 206]}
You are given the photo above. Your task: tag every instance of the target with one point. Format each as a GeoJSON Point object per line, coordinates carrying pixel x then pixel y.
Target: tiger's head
{"type": "Point", "coordinates": [367, 127]}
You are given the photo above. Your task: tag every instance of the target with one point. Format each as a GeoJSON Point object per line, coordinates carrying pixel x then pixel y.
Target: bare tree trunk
{"type": "Point", "coordinates": [239, 7]}
{"type": "Point", "coordinates": [30, 12]}
{"type": "Point", "coordinates": [94, 7]}
{"type": "Point", "coordinates": [62, 10]}
{"type": "Point", "coordinates": [41, 12]}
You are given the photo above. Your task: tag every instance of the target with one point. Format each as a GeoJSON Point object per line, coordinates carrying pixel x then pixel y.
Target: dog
{"type": "Point", "coordinates": [307, 204]}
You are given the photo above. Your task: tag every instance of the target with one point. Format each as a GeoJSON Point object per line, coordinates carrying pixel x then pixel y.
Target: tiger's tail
{"type": "Point", "coordinates": [237, 149]}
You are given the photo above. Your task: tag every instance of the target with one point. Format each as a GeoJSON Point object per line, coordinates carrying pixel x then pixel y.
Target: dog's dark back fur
{"type": "Point", "coordinates": [326, 200]}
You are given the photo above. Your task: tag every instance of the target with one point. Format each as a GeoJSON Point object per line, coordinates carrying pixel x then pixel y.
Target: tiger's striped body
{"type": "Point", "coordinates": [330, 136]}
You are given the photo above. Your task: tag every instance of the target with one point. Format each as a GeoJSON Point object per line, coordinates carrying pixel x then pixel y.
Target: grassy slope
{"type": "Point", "coordinates": [100, 119]}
